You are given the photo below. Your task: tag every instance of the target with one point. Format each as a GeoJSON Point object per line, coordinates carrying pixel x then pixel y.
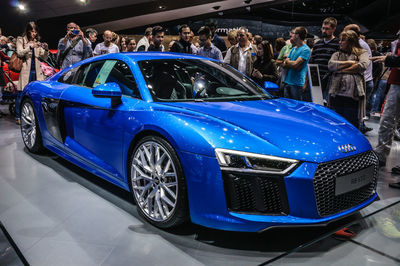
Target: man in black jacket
{"type": "Point", "coordinates": [183, 45]}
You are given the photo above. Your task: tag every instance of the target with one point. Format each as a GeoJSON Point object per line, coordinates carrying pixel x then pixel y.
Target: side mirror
{"type": "Point", "coordinates": [108, 90]}
{"type": "Point", "coordinates": [270, 86]}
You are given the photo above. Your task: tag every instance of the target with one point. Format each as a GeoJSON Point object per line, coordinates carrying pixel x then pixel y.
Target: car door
{"type": "Point", "coordinates": [94, 127]}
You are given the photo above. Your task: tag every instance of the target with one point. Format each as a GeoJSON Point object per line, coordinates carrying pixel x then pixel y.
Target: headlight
{"type": "Point", "coordinates": [253, 162]}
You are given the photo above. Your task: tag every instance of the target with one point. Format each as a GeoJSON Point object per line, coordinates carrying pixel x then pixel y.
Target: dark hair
{"type": "Point", "coordinates": [157, 29]}
{"type": "Point", "coordinates": [182, 27]}
{"type": "Point", "coordinates": [205, 30]}
{"type": "Point", "coordinates": [90, 31]}
{"type": "Point", "coordinates": [267, 51]}
{"type": "Point", "coordinates": [310, 42]}
{"type": "Point", "coordinates": [302, 32]}
{"type": "Point", "coordinates": [30, 27]}
{"type": "Point", "coordinates": [258, 39]}
{"type": "Point", "coordinates": [331, 21]}
{"type": "Point", "coordinates": [355, 29]}
{"type": "Point", "coordinates": [279, 43]}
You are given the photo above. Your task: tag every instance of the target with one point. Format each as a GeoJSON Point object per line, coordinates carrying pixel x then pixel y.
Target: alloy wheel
{"type": "Point", "coordinates": [154, 181]}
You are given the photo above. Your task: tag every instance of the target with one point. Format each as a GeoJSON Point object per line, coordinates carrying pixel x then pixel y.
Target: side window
{"type": "Point", "coordinates": [90, 74]}
{"type": "Point", "coordinates": [122, 75]}
{"type": "Point", "coordinates": [67, 77]}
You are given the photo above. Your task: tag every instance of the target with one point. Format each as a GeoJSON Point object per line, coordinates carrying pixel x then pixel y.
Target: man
{"type": "Point", "coordinates": [242, 55]}
{"type": "Point", "coordinates": [144, 43]}
{"type": "Point", "coordinates": [216, 40]}
{"type": "Point", "coordinates": [296, 63]}
{"type": "Point", "coordinates": [323, 50]}
{"type": "Point", "coordinates": [74, 47]}
{"type": "Point", "coordinates": [369, 82]}
{"type": "Point", "coordinates": [391, 112]}
{"type": "Point", "coordinates": [207, 49]}
{"type": "Point", "coordinates": [131, 46]}
{"type": "Point", "coordinates": [158, 37]}
{"type": "Point", "coordinates": [107, 46]}
{"type": "Point", "coordinates": [183, 45]}
{"type": "Point", "coordinates": [91, 35]}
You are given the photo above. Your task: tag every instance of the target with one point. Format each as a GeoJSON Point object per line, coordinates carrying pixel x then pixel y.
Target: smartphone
{"type": "Point", "coordinates": [76, 32]}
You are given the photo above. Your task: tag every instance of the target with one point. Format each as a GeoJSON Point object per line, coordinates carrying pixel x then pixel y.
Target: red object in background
{"type": "Point", "coordinates": [53, 51]}
{"type": "Point", "coordinates": [14, 76]}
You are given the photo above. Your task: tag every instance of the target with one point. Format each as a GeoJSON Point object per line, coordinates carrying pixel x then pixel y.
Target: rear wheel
{"type": "Point", "coordinates": [158, 183]}
{"type": "Point", "coordinates": [30, 130]}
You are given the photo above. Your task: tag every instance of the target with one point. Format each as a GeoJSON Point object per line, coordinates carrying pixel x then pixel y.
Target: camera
{"type": "Point", "coordinates": [76, 32]}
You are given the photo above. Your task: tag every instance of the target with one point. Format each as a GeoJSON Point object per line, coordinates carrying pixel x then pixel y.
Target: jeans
{"type": "Point", "coordinates": [377, 99]}
{"type": "Point", "coordinates": [293, 92]}
{"type": "Point", "coordinates": [390, 118]}
{"type": "Point", "coordinates": [368, 95]}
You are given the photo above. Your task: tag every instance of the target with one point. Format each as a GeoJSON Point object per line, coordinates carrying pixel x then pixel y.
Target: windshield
{"type": "Point", "coordinates": [197, 80]}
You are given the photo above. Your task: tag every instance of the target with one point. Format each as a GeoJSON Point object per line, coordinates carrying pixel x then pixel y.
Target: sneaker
{"type": "Point", "coordinates": [365, 129]}
{"type": "Point", "coordinates": [387, 227]}
{"type": "Point", "coordinates": [396, 170]}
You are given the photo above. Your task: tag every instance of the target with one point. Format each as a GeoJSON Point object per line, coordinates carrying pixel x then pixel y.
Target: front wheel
{"type": "Point", "coordinates": [158, 183]}
{"type": "Point", "coordinates": [30, 130]}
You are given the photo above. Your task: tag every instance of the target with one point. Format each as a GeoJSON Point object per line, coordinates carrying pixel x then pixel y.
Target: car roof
{"type": "Point", "coordinates": [139, 56]}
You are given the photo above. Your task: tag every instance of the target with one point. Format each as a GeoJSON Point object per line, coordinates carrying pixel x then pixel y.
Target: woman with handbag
{"type": "Point", "coordinates": [28, 48]}
{"type": "Point", "coordinates": [347, 86]}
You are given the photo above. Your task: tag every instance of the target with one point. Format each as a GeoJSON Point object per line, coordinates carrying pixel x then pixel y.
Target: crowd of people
{"type": "Point", "coordinates": [354, 76]}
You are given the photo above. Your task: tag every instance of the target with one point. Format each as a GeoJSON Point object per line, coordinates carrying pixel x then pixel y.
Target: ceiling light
{"type": "Point", "coordinates": [21, 7]}
{"type": "Point", "coordinates": [162, 7]}
{"type": "Point", "coordinates": [216, 7]}
{"type": "Point", "coordinates": [247, 2]}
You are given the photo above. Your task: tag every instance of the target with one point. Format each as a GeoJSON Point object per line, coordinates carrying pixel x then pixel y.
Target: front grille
{"type": "Point", "coordinates": [324, 183]}
{"type": "Point", "coordinates": [255, 193]}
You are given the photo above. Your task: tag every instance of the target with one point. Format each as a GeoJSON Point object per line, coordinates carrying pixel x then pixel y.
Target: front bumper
{"type": "Point", "coordinates": [210, 206]}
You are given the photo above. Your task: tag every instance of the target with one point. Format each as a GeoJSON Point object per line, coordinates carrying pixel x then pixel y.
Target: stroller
{"type": "Point", "coordinates": [9, 91]}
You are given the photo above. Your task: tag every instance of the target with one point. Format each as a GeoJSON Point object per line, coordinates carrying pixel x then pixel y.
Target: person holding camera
{"type": "Point", "coordinates": [29, 49]}
{"type": "Point", "coordinates": [73, 47]}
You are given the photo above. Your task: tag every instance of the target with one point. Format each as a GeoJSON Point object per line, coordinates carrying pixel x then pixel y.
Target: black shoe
{"type": "Point", "coordinates": [365, 129]}
{"type": "Point", "coordinates": [394, 185]}
{"type": "Point", "coordinates": [396, 170]}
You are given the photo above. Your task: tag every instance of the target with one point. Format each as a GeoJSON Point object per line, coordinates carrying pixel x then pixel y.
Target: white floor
{"type": "Point", "coordinates": [60, 215]}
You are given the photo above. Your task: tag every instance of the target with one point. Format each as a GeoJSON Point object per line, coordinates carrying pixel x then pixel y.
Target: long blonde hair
{"type": "Point", "coordinates": [353, 44]}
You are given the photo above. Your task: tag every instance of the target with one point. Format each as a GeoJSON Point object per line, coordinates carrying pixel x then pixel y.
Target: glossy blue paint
{"type": "Point", "coordinates": [107, 90]}
{"type": "Point", "coordinates": [98, 136]}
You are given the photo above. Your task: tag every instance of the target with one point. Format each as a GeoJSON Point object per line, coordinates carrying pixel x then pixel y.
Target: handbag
{"type": "Point", "coordinates": [15, 63]}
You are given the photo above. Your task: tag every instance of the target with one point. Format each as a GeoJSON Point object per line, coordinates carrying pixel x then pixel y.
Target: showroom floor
{"type": "Point", "coordinates": [58, 214]}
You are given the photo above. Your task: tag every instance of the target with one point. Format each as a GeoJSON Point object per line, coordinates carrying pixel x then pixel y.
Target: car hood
{"type": "Point", "coordinates": [299, 130]}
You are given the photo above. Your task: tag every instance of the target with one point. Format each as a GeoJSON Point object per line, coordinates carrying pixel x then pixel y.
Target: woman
{"type": "Point", "coordinates": [347, 87]}
{"type": "Point", "coordinates": [264, 66]}
{"type": "Point", "coordinates": [123, 44]}
{"type": "Point", "coordinates": [28, 47]}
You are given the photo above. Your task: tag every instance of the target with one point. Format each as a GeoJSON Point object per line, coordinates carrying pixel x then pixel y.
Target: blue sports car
{"type": "Point", "coordinates": [195, 140]}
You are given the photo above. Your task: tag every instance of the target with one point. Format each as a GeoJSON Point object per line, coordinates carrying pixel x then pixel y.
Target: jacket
{"type": "Point", "coordinates": [25, 53]}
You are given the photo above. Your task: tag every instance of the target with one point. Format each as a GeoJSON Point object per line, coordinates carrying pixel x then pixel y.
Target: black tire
{"type": "Point", "coordinates": [30, 130]}
{"type": "Point", "coordinates": [179, 213]}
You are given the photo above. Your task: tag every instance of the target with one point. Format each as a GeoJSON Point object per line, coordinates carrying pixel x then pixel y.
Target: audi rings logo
{"type": "Point", "coordinates": [347, 148]}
